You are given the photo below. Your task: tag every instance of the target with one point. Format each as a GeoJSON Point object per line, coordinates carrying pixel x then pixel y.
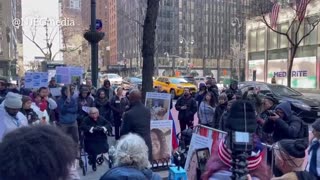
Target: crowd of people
{"type": "Point", "coordinates": [32, 118]}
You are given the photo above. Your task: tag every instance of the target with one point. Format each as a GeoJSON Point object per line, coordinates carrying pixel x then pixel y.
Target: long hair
{"type": "Point", "coordinates": [132, 150]}
{"type": "Point", "coordinates": [163, 143]}
{"type": "Point", "coordinates": [213, 101]}
{"type": "Point", "coordinates": [36, 153]}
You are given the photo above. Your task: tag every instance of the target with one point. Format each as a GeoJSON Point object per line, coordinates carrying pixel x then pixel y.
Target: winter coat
{"type": "Point", "coordinates": [109, 92]}
{"type": "Point", "coordinates": [287, 128]}
{"type": "Point", "coordinates": [218, 114]}
{"type": "Point", "coordinates": [103, 105]}
{"type": "Point", "coordinates": [40, 113]}
{"type": "Point", "coordinates": [31, 115]}
{"type": "Point", "coordinates": [186, 114]}
{"type": "Point", "coordinates": [137, 120]}
{"type": "Point", "coordinates": [9, 123]}
{"type": "Point", "coordinates": [118, 106]}
{"type": "Point", "coordinates": [127, 172]}
{"type": "Point", "coordinates": [97, 141]}
{"type": "Point", "coordinates": [263, 117]}
{"type": "Point", "coordinates": [223, 120]}
{"type": "Point", "coordinates": [67, 110]}
{"type": "Point", "coordinates": [206, 114]}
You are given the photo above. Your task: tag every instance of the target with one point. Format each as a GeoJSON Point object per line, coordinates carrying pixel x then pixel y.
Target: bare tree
{"type": "Point", "coordinates": [148, 47]}
{"type": "Point", "coordinates": [292, 33]}
{"type": "Point", "coordinates": [50, 35]}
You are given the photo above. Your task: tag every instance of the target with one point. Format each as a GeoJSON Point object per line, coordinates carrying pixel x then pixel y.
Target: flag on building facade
{"type": "Point", "coordinates": [274, 14]}
{"type": "Point", "coordinates": [301, 9]}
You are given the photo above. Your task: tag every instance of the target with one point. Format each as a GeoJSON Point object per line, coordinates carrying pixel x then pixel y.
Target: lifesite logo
{"type": "Point", "coordinates": [42, 21]}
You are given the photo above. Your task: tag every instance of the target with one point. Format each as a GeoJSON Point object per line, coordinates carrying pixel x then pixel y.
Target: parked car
{"type": "Point", "coordinates": [306, 108]}
{"type": "Point", "coordinates": [114, 79]}
{"type": "Point", "coordinates": [132, 82]}
{"type": "Point", "coordinates": [189, 79]}
{"type": "Point", "coordinates": [174, 85]}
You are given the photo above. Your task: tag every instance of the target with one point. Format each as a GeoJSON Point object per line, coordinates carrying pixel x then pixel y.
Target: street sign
{"type": "Point", "coordinates": [98, 24]}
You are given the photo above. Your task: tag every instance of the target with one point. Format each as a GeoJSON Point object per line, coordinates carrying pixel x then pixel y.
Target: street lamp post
{"type": "Point", "coordinates": [237, 24]}
{"type": "Point", "coordinates": [188, 44]}
{"type": "Point", "coordinates": [93, 37]}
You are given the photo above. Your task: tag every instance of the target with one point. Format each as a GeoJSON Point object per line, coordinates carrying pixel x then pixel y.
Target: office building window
{"type": "Point", "coordinates": [261, 39]}
{"type": "Point", "coordinates": [312, 38]}
{"type": "Point", "coordinates": [252, 41]}
{"type": "Point", "coordinates": [75, 4]}
{"type": "Point", "coordinates": [273, 39]}
{"type": "Point", "coordinates": [283, 39]}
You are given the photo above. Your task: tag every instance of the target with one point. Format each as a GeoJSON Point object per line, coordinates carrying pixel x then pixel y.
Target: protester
{"type": "Point", "coordinates": [118, 105]}
{"type": "Point", "coordinates": [103, 105]}
{"type": "Point", "coordinates": [137, 119]}
{"type": "Point", "coordinates": [28, 112]}
{"type": "Point", "coordinates": [84, 102]}
{"type": "Point", "coordinates": [242, 116]}
{"type": "Point", "coordinates": [39, 108]}
{"type": "Point", "coordinates": [95, 129]}
{"type": "Point", "coordinates": [37, 153]}
{"type": "Point", "coordinates": [131, 161]}
{"type": "Point", "coordinates": [187, 107]}
{"type": "Point", "coordinates": [201, 93]}
{"type": "Point", "coordinates": [252, 95]}
{"type": "Point", "coordinates": [212, 87]}
{"type": "Point", "coordinates": [3, 89]}
{"type": "Point", "coordinates": [233, 90]}
{"type": "Point", "coordinates": [68, 109]}
{"type": "Point", "coordinates": [11, 117]}
{"type": "Point", "coordinates": [207, 109]}
{"type": "Point", "coordinates": [47, 104]}
{"type": "Point", "coordinates": [222, 106]}
{"type": "Point", "coordinates": [107, 88]}
{"type": "Point", "coordinates": [314, 151]}
{"type": "Point", "coordinates": [23, 90]}
{"type": "Point", "coordinates": [53, 83]}
{"type": "Point", "coordinates": [93, 90]}
{"type": "Point", "coordinates": [225, 115]}
{"type": "Point", "coordinates": [289, 156]}
{"type": "Point", "coordinates": [284, 124]}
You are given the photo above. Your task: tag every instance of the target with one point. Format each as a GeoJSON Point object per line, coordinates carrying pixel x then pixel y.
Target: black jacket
{"type": "Point", "coordinates": [289, 127]}
{"type": "Point", "coordinates": [104, 108]}
{"type": "Point", "coordinates": [137, 120]}
{"type": "Point", "coordinates": [118, 106]}
{"type": "Point", "coordinates": [96, 142]}
{"type": "Point", "coordinates": [218, 114]}
{"type": "Point", "coordinates": [31, 115]}
{"type": "Point", "coordinates": [186, 114]}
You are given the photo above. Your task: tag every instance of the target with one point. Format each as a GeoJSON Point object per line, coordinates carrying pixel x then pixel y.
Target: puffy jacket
{"type": "Point", "coordinates": [126, 173]}
{"type": "Point", "coordinates": [186, 114]}
{"type": "Point", "coordinates": [287, 128]}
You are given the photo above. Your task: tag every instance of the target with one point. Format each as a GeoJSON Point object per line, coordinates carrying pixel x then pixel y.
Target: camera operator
{"type": "Point", "coordinates": [242, 118]}
{"type": "Point", "coordinates": [95, 130]}
{"type": "Point", "coordinates": [284, 124]}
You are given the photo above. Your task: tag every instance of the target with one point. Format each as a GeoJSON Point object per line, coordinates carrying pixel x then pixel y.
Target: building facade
{"type": "Point", "coordinates": [194, 35]}
{"type": "Point", "coordinates": [268, 52]}
{"type": "Point", "coordinates": [8, 38]}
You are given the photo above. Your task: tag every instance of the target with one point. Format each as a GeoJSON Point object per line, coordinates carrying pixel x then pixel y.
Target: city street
{"type": "Point", "coordinates": [91, 175]}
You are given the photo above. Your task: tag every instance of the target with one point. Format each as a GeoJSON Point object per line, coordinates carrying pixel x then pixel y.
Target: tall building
{"type": "Point", "coordinates": [113, 30]}
{"type": "Point", "coordinates": [267, 52]}
{"type": "Point", "coordinates": [8, 38]}
{"type": "Point", "coordinates": [196, 34]}
{"type": "Point", "coordinates": [20, 67]}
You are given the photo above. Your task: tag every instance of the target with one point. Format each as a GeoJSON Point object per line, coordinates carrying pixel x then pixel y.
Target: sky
{"type": "Point", "coordinates": [41, 10]}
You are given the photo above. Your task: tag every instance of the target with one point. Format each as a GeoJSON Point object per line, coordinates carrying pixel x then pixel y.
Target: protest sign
{"type": "Point", "coordinates": [197, 142]}
{"type": "Point", "coordinates": [69, 75]}
{"type": "Point", "coordinates": [161, 137]}
{"type": "Point", "coordinates": [55, 92]}
{"type": "Point", "coordinates": [159, 105]}
{"type": "Point", "coordinates": [36, 80]}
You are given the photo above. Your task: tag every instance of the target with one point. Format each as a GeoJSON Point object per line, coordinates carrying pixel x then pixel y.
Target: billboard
{"type": "Point", "coordinates": [304, 73]}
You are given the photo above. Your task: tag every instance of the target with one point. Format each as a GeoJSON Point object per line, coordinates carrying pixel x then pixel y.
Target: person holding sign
{"type": "Point", "coordinates": [68, 109]}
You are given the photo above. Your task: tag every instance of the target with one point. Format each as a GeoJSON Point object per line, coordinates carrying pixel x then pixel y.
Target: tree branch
{"type": "Point", "coordinates": [34, 42]}
{"type": "Point", "coordinates": [278, 32]}
{"type": "Point", "coordinates": [314, 25]}
{"type": "Point", "coordinates": [124, 14]}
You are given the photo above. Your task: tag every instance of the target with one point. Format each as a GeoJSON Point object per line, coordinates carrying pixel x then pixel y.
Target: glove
{"type": "Point", "coordinates": [104, 129]}
{"type": "Point", "coordinates": [91, 129]}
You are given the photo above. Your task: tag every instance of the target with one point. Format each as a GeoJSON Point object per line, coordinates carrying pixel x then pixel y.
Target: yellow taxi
{"type": "Point", "coordinates": [174, 85]}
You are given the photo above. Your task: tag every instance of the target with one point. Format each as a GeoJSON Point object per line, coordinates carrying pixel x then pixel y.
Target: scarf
{"type": "Point", "coordinates": [225, 156]}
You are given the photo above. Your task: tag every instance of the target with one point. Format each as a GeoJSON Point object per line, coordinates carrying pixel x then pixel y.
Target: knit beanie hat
{"type": "Point", "coordinates": [242, 117]}
{"type": "Point", "coordinates": [294, 148]}
{"type": "Point", "coordinates": [13, 101]}
{"type": "Point", "coordinates": [316, 125]}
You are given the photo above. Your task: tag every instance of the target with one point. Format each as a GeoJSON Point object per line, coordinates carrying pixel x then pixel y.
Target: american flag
{"type": "Point", "coordinates": [274, 14]}
{"type": "Point", "coordinates": [301, 9]}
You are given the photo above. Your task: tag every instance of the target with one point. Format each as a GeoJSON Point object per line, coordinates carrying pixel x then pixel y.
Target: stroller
{"type": "Point", "coordinates": [84, 156]}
